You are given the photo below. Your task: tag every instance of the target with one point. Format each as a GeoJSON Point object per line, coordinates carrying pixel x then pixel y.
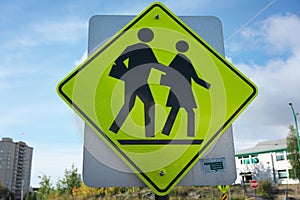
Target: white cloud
{"type": "Point", "coordinates": [283, 33]}
{"type": "Point", "coordinates": [279, 34]}
{"type": "Point", "coordinates": [37, 114]}
{"type": "Point", "coordinates": [278, 81]}
{"type": "Point", "coordinates": [60, 31]}
{"type": "Point", "coordinates": [65, 30]}
{"type": "Point", "coordinates": [82, 58]}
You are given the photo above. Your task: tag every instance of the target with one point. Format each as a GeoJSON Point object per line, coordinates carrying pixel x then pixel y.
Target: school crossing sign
{"type": "Point", "coordinates": [158, 95]}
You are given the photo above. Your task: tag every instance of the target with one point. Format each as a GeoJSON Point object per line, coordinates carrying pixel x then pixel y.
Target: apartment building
{"type": "Point", "coordinates": [266, 160]}
{"type": "Point", "coordinates": [15, 166]}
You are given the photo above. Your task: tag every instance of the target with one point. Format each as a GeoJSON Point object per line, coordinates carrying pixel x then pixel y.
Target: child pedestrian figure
{"type": "Point", "coordinates": [186, 98]}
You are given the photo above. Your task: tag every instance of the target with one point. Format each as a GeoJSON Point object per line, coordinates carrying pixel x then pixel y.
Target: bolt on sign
{"type": "Point", "coordinates": [158, 95]}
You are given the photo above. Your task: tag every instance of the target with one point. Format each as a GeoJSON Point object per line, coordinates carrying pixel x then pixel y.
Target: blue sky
{"type": "Point", "coordinates": [42, 41]}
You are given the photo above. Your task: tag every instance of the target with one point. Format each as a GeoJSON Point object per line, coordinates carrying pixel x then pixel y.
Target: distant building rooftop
{"type": "Point", "coordinates": [264, 147]}
{"type": "Point", "coordinates": [5, 139]}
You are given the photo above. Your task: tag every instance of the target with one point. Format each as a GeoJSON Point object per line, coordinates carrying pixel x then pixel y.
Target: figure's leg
{"type": "Point", "coordinates": [191, 123]}
{"type": "Point", "coordinates": [146, 97]}
{"type": "Point", "coordinates": [170, 121]}
{"type": "Point", "coordinates": [174, 104]}
{"type": "Point", "coordinates": [149, 114]}
{"type": "Point", "coordinates": [123, 113]}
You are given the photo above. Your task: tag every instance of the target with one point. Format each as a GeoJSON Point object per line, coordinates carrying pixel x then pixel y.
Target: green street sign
{"type": "Point", "coordinates": [158, 95]}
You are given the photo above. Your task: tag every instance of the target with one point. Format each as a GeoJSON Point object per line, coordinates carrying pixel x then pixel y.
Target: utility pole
{"type": "Point", "coordinates": [296, 124]}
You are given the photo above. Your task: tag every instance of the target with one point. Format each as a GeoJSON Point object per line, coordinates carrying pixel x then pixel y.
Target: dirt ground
{"type": "Point", "coordinates": [293, 191]}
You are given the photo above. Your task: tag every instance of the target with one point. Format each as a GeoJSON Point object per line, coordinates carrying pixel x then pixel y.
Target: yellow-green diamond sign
{"type": "Point", "coordinates": [158, 95]}
{"type": "Point", "coordinates": [223, 188]}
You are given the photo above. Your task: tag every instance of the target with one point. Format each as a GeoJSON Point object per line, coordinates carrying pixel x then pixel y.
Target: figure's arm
{"type": "Point", "coordinates": [118, 68]}
{"type": "Point", "coordinates": [202, 82]}
{"type": "Point", "coordinates": [199, 80]}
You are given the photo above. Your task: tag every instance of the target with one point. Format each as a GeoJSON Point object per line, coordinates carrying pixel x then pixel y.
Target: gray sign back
{"type": "Point", "coordinates": [103, 168]}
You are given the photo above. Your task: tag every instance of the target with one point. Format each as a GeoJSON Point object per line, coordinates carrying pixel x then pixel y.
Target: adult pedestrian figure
{"type": "Point", "coordinates": [181, 94]}
{"type": "Point", "coordinates": [135, 76]}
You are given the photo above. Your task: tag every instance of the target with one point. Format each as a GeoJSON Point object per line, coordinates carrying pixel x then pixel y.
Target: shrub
{"type": "Point", "coordinates": [265, 188]}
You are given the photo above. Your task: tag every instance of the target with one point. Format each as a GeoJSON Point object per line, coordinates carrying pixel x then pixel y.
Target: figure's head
{"type": "Point", "coordinates": [145, 35]}
{"type": "Point", "coordinates": [182, 46]}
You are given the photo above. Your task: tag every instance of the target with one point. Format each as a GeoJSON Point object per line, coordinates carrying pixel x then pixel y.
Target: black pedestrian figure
{"type": "Point", "coordinates": [181, 94]}
{"type": "Point", "coordinates": [135, 76]}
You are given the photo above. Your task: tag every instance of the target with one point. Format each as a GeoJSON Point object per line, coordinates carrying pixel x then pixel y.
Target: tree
{"type": "Point", "coordinates": [86, 192]}
{"type": "Point", "coordinates": [262, 172]}
{"type": "Point", "coordinates": [266, 188]}
{"type": "Point", "coordinates": [293, 153]}
{"type": "Point", "coordinates": [4, 192]}
{"type": "Point", "coordinates": [45, 189]}
{"type": "Point", "coordinates": [70, 181]}
{"type": "Point", "coordinates": [30, 196]}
